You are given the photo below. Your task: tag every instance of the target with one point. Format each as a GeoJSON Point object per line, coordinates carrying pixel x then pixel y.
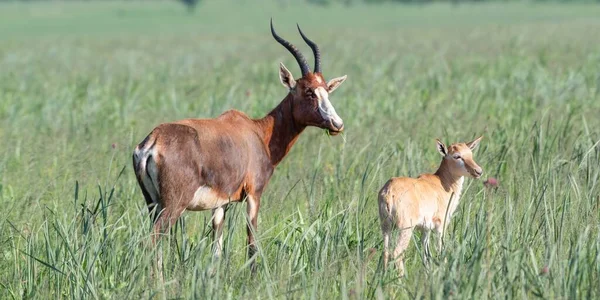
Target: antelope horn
{"type": "Point", "coordinates": [315, 50]}
{"type": "Point", "coordinates": [295, 52]}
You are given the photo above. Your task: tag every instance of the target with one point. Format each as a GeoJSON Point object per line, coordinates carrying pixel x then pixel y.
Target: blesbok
{"type": "Point", "coordinates": [202, 164]}
{"type": "Point", "coordinates": [426, 202]}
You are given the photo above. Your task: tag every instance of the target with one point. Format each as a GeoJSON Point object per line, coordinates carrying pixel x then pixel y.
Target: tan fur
{"type": "Point", "coordinates": [426, 202]}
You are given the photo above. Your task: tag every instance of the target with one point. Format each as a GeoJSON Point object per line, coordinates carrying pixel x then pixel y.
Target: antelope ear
{"type": "Point", "coordinates": [441, 148]}
{"type": "Point", "coordinates": [286, 77]}
{"type": "Point", "coordinates": [473, 144]}
{"type": "Point", "coordinates": [335, 83]}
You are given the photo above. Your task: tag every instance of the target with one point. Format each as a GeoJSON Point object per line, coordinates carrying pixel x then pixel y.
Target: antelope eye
{"type": "Point", "coordinates": [456, 156]}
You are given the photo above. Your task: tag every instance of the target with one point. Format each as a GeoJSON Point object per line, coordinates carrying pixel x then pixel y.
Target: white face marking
{"type": "Point", "coordinates": [325, 108]}
{"type": "Point", "coordinates": [205, 198]}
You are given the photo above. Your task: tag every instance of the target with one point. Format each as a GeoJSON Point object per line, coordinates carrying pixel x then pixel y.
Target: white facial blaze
{"type": "Point", "coordinates": [325, 108]}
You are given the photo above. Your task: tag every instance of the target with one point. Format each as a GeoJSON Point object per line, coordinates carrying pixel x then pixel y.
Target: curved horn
{"type": "Point", "coordinates": [315, 50]}
{"type": "Point", "coordinates": [295, 52]}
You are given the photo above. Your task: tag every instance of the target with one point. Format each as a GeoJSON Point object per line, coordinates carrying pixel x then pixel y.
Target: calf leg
{"type": "Point", "coordinates": [386, 229]}
{"type": "Point", "coordinates": [386, 248]}
{"type": "Point", "coordinates": [386, 221]}
{"type": "Point", "coordinates": [426, 251]}
{"type": "Point", "coordinates": [402, 243]}
{"type": "Point", "coordinates": [440, 229]}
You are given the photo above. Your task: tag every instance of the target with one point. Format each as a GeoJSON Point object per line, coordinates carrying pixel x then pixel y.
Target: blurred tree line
{"type": "Point", "coordinates": [350, 2]}
{"type": "Point", "coordinates": [191, 4]}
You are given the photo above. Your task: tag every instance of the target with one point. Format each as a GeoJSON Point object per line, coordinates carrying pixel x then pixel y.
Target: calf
{"type": "Point", "coordinates": [426, 202]}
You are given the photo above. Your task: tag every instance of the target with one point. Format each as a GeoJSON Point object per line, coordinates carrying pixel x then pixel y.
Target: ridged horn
{"type": "Point", "coordinates": [315, 50]}
{"type": "Point", "coordinates": [295, 52]}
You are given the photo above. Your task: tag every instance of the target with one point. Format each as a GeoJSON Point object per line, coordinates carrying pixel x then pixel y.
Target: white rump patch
{"type": "Point", "coordinates": [144, 159]}
{"type": "Point", "coordinates": [205, 198]}
{"type": "Point", "coordinates": [325, 108]}
{"type": "Point", "coordinates": [153, 171]}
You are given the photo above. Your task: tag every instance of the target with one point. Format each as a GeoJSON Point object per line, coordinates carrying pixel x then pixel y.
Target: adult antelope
{"type": "Point", "coordinates": [202, 164]}
{"type": "Point", "coordinates": [426, 202]}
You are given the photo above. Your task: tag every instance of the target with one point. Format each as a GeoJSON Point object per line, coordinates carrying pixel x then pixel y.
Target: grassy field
{"type": "Point", "coordinates": [82, 83]}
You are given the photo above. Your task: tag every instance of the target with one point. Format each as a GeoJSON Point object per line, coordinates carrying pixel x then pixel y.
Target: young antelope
{"type": "Point", "coordinates": [426, 202]}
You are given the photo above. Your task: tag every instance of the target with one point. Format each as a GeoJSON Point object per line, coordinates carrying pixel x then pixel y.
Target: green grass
{"type": "Point", "coordinates": [82, 83]}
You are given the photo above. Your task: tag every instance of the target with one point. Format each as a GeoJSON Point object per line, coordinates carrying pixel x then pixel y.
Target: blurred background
{"type": "Point", "coordinates": [82, 82]}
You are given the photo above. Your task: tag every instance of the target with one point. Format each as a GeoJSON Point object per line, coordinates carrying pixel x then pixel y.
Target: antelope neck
{"type": "Point", "coordinates": [279, 130]}
{"type": "Point", "coordinates": [450, 182]}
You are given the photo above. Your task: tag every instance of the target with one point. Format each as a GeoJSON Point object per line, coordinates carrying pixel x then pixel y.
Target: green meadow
{"type": "Point", "coordinates": [81, 83]}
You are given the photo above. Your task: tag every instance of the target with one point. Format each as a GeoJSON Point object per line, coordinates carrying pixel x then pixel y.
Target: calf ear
{"type": "Point", "coordinates": [335, 83]}
{"type": "Point", "coordinates": [473, 144]}
{"type": "Point", "coordinates": [441, 148]}
{"type": "Point", "coordinates": [286, 77]}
